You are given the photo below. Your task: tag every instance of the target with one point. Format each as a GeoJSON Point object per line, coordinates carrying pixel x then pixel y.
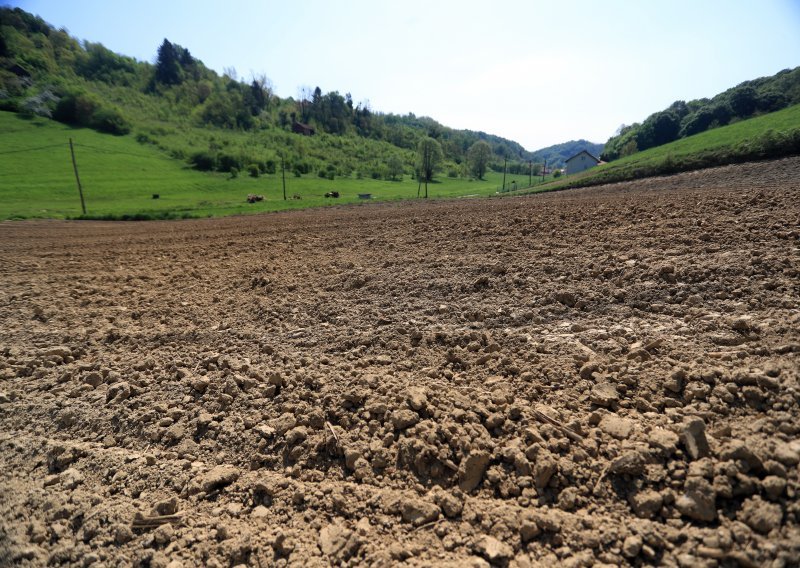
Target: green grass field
{"type": "Point", "coordinates": [770, 135]}
{"type": "Point", "coordinates": [120, 176]}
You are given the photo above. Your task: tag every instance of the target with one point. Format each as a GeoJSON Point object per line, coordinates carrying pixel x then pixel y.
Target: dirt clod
{"type": "Point", "coordinates": [472, 469]}
{"type": "Point", "coordinates": [493, 550]}
{"type": "Point", "coordinates": [218, 477]}
{"type": "Point", "coordinates": [693, 434]}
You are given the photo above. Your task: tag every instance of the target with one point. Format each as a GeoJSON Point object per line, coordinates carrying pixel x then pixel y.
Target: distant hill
{"type": "Point", "coordinates": [556, 155]}
{"type": "Point", "coordinates": [682, 119]}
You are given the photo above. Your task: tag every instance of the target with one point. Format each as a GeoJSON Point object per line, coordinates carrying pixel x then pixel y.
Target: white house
{"type": "Point", "coordinates": [581, 161]}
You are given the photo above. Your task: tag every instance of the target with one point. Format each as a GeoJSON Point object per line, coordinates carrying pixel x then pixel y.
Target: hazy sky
{"type": "Point", "coordinates": [536, 72]}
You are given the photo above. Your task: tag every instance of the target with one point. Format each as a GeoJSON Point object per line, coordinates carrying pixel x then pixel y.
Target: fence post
{"type": "Point", "coordinates": [77, 178]}
{"type": "Point", "coordinates": [283, 177]}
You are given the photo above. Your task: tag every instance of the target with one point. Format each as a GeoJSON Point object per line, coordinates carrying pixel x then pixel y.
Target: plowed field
{"type": "Point", "coordinates": [605, 376]}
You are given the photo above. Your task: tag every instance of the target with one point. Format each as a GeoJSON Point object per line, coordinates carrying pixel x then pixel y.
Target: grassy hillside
{"type": "Point", "coordinates": [682, 119]}
{"type": "Point", "coordinates": [120, 176]}
{"type": "Point", "coordinates": [219, 123]}
{"type": "Point", "coordinates": [768, 136]}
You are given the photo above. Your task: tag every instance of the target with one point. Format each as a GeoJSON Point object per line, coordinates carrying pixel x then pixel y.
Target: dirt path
{"type": "Point", "coordinates": [599, 376]}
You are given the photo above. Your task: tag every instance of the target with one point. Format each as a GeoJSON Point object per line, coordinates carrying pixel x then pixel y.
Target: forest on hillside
{"type": "Point", "coordinates": [224, 122]}
{"type": "Point", "coordinates": [682, 119]}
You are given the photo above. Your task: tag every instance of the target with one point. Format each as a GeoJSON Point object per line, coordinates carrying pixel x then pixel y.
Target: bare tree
{"type": "Point", "coordinates": [304, 94]}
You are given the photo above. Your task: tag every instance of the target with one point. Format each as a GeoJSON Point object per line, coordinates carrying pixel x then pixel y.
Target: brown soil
{"type": "Point", "coordinates": [599, 376]}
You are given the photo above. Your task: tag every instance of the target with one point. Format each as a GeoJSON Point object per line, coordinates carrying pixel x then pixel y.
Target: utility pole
{"type": "Point", "coordinates": [77, 178]}
{"type": "Point", "coordinates": [530, 173]}
{"type": "Point", "coordinates": [283, 177]}
{"type": "Point", "coordinates": [505, 163]}
{"type": "Point", "coordinates": [544, 169]}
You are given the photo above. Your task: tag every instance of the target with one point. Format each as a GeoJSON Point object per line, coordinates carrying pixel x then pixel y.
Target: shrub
{"type": "Point", "coordinates": [303, 167]}
{"type": "Point", "coordinates": [234, 173]}
{"type": "Point", "coordinates": [203, 160]}
{"type": "Point", "coordinates": [81, 109]}
{"type": "Point", "coordinates": [227, 161]}
{"type": "Point", "coordinates": [110, 121]}
{"type": "Point", "coordinates": [253, 170]}
{"type": "Point", "coordinates": [75, 108]}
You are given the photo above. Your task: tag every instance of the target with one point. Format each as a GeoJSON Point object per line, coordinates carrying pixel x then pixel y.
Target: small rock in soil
{"type": "Point", "coordinates": [616, 426]}
{"type": "Point", "coordinates": [604, 394]}
{"type": "Point", "coordinates": [664, 440]}
{"type": "Point", "coordinates": [471, 470]}
{"type": "Point", "coordinates": [418, 511]}
{"type": "Point", "coordinates": [630, 463]}
{"type": "Point", "coordinates": [404, 418]}
{"type": "Point", "coordinates": [218, 477]}
{"type": "Point", "coordinates": [493, 550]}
{"type": "Point", "coordinates": [693, 435]}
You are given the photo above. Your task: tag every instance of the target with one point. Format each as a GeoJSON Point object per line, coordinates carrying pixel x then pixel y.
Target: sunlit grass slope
{"type": "Point", "coordinates": [120, 177]}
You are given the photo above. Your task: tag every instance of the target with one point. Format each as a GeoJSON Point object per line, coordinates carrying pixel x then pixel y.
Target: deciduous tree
{"type": "Point", "coordinates": [429, 154]}
{"type": "Point", "coordinates": [479, 156]}
{"type": "Point", "coordinates": [394, 167]}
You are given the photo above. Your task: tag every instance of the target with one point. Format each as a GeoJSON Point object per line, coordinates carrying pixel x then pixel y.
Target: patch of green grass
{"type": "Point", "coordinates": [120, 177]}
{"type": "Point", "coordinates": [769, 136]}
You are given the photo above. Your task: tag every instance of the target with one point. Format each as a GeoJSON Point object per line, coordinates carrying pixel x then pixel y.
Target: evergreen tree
{"type": "Point", "coordinates": [168, 69]}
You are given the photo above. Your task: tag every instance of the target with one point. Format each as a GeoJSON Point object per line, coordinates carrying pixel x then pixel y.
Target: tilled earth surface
{"type": "Point", "coordinates": [598, 377]}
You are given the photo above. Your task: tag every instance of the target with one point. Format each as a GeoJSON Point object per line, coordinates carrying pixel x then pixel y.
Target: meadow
{"type": "Point", "coordinates": [120, 177]}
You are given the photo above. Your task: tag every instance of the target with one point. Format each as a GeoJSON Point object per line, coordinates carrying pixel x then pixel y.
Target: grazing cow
{"type": "Point", "coordinates": [252, 198]}
{"type": "Point", "coordinates": [334, 194]}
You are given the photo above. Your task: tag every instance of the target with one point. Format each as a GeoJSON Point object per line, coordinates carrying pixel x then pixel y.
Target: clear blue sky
{"type": "Point", "coordinates": [536, 72]}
